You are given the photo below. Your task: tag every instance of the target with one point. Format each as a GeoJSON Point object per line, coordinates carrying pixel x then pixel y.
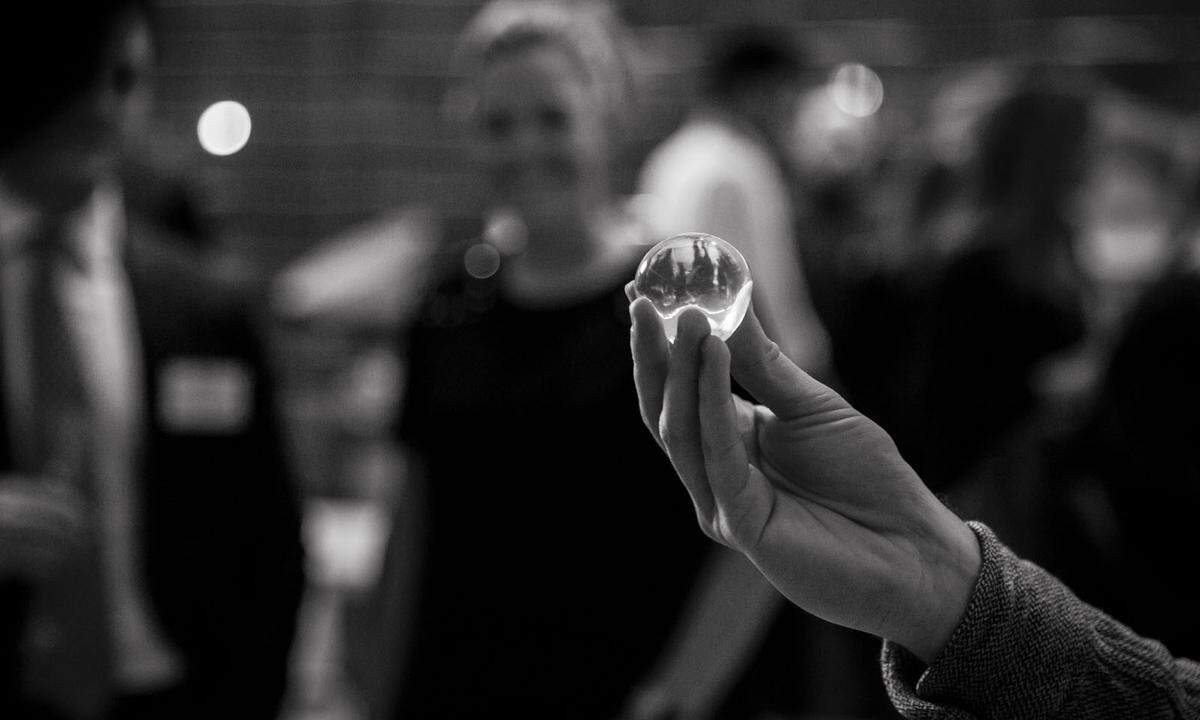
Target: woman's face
{"type": "Point", "coordinates": [542, 131]}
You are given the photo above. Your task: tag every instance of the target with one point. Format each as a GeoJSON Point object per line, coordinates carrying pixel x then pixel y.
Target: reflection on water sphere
{"type": "Point", "coordinates": [696, 270]}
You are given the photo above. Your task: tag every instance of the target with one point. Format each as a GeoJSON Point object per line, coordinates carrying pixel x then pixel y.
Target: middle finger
{"type": "Point", "coordinates": [680, 422]}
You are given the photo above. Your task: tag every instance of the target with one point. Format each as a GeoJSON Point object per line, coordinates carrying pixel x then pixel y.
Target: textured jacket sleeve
{"type": "Point", "coordinates": [1028, 648]}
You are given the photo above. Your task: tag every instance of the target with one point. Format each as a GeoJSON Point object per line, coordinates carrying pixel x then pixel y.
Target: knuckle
{"type": "Point", "coordinates": [708, 525]}
{"type": "Point", "coordinates": [771, 356]}
{"type": "Point", "coordinates": [667, 431]}
{"type": "Point", "coordinates": [762, 359]}
{"type": "Point", "coordinates": [649, 422]}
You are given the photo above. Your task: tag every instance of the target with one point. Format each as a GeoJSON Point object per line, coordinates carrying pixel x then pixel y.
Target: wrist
{"type": "Point", "coordinates": [951, 566]}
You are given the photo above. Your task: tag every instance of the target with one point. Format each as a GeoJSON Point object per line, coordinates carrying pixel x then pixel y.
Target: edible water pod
{"type": "Point", "coordinates": [696, 270]}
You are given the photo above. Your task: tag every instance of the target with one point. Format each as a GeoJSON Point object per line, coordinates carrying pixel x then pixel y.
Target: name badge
{"type": "Point", "coordinates": [205, 395]}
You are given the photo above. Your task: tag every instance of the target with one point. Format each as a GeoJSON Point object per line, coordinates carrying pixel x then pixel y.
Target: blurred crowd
{"type": "Point", "coordinates": [378, 482]}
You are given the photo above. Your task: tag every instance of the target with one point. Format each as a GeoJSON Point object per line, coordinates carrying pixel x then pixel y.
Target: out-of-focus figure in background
{"type": "Point", "coordinates": [1085, 459]}
{"type": "Point", "coordinates": [1142, 455]}
{"type": "Point", "coordinates": [161, 184]}
{"type": "Point", "coordinates": [528, 603]}
{"type": "Point", "coordinates": [150, 559]}
{"type": "Point", "coordinates": [723, 172]}
{"type": "Point", "coordinates": [1013, 294]}
{"type": "Point", "coordinates": [1134, 478]}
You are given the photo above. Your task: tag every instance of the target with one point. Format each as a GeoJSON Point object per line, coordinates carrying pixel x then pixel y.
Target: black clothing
{"type": "Point", "coordinates": [546, 593]}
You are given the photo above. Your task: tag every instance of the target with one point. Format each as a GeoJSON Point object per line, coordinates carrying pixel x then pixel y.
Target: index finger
{"type": "Point", "coordinates": [648, 344]}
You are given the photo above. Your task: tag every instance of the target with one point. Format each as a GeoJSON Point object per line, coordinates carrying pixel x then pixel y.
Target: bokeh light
{"type": "Point", "coordinates": [827, 140]}
{"type": "Point", "coordinates": [224, 128]}
{"type": "Point", "coordinates": [856, 90]}
{"type": "Point", "coordinates": [482, 260]}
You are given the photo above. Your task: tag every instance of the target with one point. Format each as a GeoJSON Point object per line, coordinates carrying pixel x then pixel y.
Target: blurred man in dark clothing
{"type": "Point", "coordinates": [1140, 449]}
{"type": "Point", "coordinates": [1013, 296]}
{"type": "Point", "coordinates": [150, 559]}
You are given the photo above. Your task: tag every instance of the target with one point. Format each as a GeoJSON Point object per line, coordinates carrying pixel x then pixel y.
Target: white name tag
{"type": "Point", "coordinates": [205, 395]}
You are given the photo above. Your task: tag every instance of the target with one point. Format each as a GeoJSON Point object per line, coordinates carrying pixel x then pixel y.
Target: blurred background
{"type": "Point", "coordinates": [351, 179]}
{"type": "Point", "coordinates": [346, 97]}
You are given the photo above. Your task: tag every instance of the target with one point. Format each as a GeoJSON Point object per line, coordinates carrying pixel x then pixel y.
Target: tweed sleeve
{"type": "Point", "coordinates": [1028, 648]}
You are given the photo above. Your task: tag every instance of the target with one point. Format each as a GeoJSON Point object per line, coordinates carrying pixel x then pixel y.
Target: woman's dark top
{"type": "Point", "coordinates": [546, 593]}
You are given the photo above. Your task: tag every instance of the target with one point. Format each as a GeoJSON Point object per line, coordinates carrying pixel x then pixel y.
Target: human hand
{"type": "Point", "coordinates": [814, 493]}
{"type": "Point", "coordinates": [42, 523]}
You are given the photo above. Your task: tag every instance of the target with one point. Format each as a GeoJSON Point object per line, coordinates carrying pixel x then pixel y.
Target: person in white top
{"type": "Point", "coordinates": [721, 173]}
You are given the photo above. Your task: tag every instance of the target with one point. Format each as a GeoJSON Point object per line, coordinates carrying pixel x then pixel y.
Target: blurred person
{"type": "Point", "coordinates": [518, 407]}
{"type": "Point", "coordinates": [1130, 209]}
{"type": "Point", "coordinates": [1141, 452]}
{"type": "Point", "coordinates": [853, 252]}
{"type": "Point", "coordinates": [160, 184]}
{"type": "Point", "coordinates": [827, 167]}
{"type": "Point", "coordinates": [820, 500]}
{"type": "Point", "coordinates": [723, 172]}
{"type": "Point", "coordinates": [1137, 450]}
{"type": "Point", "coordinates": [1013, 295]}
{"type": "Point", "coordinates": [872, 294]}
{"type": "Point", "coordinates": [961, 106]}
{"type": "Point", "coordinates": [150, 560]}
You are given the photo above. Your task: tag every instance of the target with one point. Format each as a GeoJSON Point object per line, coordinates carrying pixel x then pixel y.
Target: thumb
{"type": "Point", "coordinates": [771, 377]}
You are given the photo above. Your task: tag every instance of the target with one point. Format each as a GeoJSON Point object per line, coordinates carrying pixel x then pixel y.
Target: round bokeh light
{"type": "Point", "coordinates": [482, 260]}
{"type": "Point", "coordinates": [857, 90]}
{"type": "Point", "coordinates": [224, 128]}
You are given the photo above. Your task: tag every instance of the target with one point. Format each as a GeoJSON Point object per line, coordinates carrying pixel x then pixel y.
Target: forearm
{"type": "Point", "coordinates": [1028, 648]}
{"type": "Point", "coordinates": [731, 609]}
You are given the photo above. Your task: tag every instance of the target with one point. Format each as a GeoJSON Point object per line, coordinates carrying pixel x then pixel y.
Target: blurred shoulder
{"type": "Point", "coordinates": [701, 141]}
{"type": "Point", "coordinates": [706, 153]}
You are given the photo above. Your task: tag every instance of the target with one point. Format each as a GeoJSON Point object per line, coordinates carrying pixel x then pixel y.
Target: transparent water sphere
{"type": "Point", "coordinates": [696, 270]}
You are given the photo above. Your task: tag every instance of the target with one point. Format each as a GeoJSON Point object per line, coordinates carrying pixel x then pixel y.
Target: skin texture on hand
{"type": "Point", "coordinates": [812, 492]}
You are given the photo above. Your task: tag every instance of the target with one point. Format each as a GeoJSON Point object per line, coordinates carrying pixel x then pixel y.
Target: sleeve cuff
{"type": "Point", "coordinates": [1022, 630]}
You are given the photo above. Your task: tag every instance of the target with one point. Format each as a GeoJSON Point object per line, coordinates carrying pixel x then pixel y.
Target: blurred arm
{"type": "Point", "coordinates": [780, 291]}
{"type": "Point", "coordinates": [271, 576]}
{"type": "Point", "coordinates": [731, 609]}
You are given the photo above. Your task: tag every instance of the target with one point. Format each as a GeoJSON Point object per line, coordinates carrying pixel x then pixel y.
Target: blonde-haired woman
{"type": "Point", "coordinates": [544, 591]}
